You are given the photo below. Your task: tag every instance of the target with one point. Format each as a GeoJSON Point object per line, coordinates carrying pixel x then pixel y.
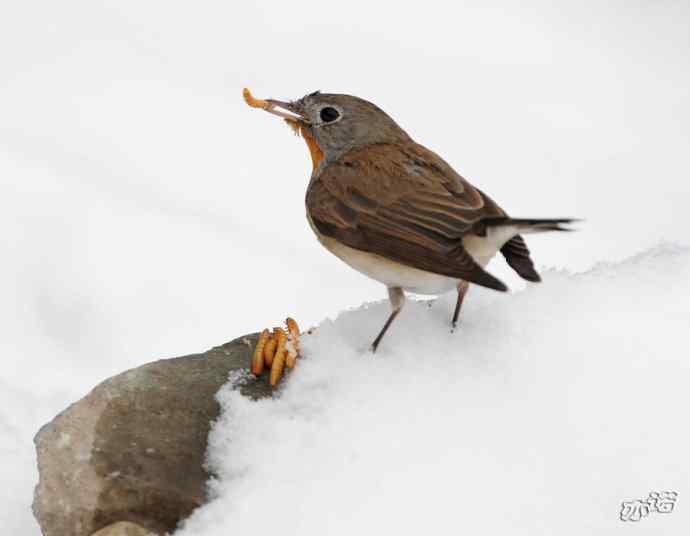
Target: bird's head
{"type": "Point", "coordinates": [332, 124]}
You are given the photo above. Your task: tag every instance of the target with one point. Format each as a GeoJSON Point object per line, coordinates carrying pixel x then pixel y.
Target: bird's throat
{"type": "Point", "coordinates": [314, 151]}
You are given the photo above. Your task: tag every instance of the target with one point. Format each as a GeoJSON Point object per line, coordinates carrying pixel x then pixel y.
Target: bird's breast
{"type": "Point", "coordinates": [389, 272]}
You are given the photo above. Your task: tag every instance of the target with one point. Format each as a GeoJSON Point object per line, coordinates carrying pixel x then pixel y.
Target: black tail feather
{"type": "Point", "coordinates": [517, 256]}
{"type": "Point", "coordinates": [532, 224]}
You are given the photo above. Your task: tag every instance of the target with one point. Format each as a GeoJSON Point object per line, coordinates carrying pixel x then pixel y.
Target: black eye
{"type": "Point", "coordinates": [329, 114]}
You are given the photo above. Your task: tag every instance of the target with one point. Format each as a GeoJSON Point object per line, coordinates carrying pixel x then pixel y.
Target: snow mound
{"type": "Point", "coordinates": [541, 414]}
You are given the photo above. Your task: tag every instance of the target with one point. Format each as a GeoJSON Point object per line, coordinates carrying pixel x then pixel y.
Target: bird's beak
{"type": "Point", "coordinates": [286, 110]}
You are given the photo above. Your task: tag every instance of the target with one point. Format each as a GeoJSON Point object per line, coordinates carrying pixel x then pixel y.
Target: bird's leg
{"type": "Point", "coordinates": [462, 290]}
{"type": "Point", "coordinates": [397, 299]}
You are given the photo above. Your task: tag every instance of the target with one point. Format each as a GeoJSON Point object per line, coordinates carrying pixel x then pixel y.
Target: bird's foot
{"type": "Point", "coordinates": [276, 350]}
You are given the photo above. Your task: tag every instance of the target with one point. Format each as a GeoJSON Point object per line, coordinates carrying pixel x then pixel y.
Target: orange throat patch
{"type": "Point", "coordinates": [314, 150]}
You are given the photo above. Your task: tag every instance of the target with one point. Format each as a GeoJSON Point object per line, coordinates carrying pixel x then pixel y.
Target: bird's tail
{"type": "Point", "coordinates": [530, 225]}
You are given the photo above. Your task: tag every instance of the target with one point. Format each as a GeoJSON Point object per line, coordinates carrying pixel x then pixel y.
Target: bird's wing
{"type": "Point", "coordinates": [405, 203]}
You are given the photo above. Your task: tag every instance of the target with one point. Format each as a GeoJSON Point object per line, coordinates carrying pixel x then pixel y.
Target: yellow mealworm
{"type": "Point", "coordinates": [258, 357]}
{"type": "Point", "coordinates": [279, 359]}
{"type": "Point", "coordinates": [291, 355]}
{"type": "Point", "coordinates": [251, 101]}
{"type": "Point", "coordinates": [293, 330]}
{"type": "Point", "coordinates": [270, 350]}
{"type": "Point", "coordinates": [292, 326]}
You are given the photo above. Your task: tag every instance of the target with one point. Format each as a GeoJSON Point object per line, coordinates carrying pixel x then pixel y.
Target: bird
{"type": "Point", "coordinates": [396, 211]}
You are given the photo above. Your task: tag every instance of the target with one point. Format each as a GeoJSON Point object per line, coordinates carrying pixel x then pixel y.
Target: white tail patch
{"type": "Point", "coordinates": [483, 248]}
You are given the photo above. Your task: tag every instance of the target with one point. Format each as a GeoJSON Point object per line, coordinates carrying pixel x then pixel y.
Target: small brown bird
{"type": "Point", "coordinates": [396, 211]}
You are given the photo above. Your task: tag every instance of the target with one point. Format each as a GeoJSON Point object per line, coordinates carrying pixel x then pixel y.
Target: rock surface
{"type": "Point", "coordinates": [133, 449]}
{"type": "Point", "coordinates": [123, 528]}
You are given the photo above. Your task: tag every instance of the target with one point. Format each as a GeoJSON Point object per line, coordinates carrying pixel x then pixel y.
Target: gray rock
{"type": "Point", "coordinates": [133, 449]}
{"type": "Point", "coordinates": [122, 528]}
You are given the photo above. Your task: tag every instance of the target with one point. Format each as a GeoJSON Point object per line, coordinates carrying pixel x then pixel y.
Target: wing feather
{"type": "Point", "coordinates": [405, 203]}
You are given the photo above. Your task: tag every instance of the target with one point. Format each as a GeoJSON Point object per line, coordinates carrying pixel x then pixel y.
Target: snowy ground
{"type": "Point", "coordinates": [545, 411]}
{"type": "Point", "coordinates": [146, 212]}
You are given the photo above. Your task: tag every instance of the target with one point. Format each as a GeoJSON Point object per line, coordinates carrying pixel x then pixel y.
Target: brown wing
{"type": "Point", "coordinates": [405, 203]}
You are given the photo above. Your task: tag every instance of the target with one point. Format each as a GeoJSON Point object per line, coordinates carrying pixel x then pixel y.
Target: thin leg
{"type": "Point", "coordinates": [462, 290]}
{"type": "Point", "coordinates": [397, 299]}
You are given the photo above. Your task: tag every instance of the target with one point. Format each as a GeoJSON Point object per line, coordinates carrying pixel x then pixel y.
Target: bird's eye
{"type": "Point", "coordinates": [329, 114]}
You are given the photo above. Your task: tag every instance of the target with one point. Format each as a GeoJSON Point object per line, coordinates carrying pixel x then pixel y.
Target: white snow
{"type": "Point", "coordinates": [545, 411]}
{"type": "Point", "coordinates": [21, 415]}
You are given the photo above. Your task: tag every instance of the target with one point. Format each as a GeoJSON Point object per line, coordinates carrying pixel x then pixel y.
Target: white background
{"type": "Point", "coordinates": [146, 212]}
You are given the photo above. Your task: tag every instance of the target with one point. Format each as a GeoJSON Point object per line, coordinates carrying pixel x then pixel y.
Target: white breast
{"type": "Point", "coordinates": [394, 274]}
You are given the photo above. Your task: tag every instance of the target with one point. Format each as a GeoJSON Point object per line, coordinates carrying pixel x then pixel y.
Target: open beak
{"type": "Point", "coordinates": [286, 110]}
{"type": "Point", "coordinates": [292, 113]}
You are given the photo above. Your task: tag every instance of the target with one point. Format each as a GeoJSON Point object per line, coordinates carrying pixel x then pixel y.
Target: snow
{"type": "Point", "coordinates": [540, 415]}
{"type": "Point", "coordinates": [21, 415]}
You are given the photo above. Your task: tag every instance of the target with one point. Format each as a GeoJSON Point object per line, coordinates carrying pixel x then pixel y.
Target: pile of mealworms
{"type": "Point", "coordinates": [275, 350]}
